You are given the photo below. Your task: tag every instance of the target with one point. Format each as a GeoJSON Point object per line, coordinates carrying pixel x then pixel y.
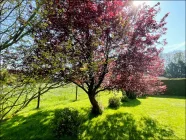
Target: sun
{"type": "Point", "coordinates": [139, 2]}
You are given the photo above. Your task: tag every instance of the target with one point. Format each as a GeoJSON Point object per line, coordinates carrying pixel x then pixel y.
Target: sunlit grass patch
{"type": "Point", "coordinates": [156, 117]}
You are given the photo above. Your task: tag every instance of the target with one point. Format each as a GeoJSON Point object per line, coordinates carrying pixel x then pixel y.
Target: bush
{"type": "Point", "coordinates": [131, 95]}
{"type": "Point", "coordinates": [66, 122]}
{"type": "Point", "coordinates": [124, 98]}
{"type": "Point", "coordinates": [114, 102]}
{"type": "Point", "coordinates": [101, 107]}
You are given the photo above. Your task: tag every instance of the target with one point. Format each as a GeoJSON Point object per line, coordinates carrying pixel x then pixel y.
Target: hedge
{"type": "Point", "coordinates": [175, 87]}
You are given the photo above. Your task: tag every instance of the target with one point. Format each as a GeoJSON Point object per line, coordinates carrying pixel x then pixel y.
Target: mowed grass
{"type": "Point", "coordinates": [156, 117]}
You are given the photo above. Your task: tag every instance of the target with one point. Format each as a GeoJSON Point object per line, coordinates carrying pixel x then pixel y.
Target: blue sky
{"type": "Point", "coordinates": [175, 23]}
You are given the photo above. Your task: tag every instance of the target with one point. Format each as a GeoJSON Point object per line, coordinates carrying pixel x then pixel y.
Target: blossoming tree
{"type": "Point", "coordinates": [97, 40]}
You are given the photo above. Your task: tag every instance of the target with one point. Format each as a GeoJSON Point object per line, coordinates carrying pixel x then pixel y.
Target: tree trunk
{"type": "Point", "coordinates": [76, 93]}
{"type": "Point", "coordinates": [38, 98]}
{"type": "Point", "coordinates": [1, 102]}
{"type": "Point", "coordinates": [95, 106]}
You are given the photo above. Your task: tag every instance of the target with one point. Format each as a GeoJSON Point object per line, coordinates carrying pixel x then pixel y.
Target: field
{"type": "Point", "coordinates": [155, 117]}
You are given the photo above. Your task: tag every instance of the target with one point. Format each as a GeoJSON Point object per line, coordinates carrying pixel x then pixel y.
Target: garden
{"type": "Point", "coordinates": [151, 117]}
{"type": "Point", "coordinates": [88, 69]}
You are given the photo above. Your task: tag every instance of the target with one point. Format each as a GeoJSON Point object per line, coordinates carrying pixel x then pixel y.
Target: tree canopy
{"type": "Point", "coordinates": [100, 45]}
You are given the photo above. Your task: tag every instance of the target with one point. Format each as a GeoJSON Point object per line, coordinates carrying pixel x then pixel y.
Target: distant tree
{"type": "Point", "coordinates": [176, 70]}
{"type": "Point", "coordinates": [177, 67]}
{"type": "Point", "coordinates": [90, 37]}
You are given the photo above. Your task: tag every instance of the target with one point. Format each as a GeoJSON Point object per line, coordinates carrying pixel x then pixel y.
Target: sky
{"type": "Point", "coordinates": [175, 23]}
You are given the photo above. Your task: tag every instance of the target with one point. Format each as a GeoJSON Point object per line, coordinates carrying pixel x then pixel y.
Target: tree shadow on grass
{"type": "Point", "coordinates": [131, 103]}
{"type": "Point", "coordinates": [120, 126]}
{"type": "Point", "coordinates": [168, 96]}
{"type": "Point", "coordinates": [123, 126]}
{"type": "Point", "coordinates": [34, 127]}
{"type": "Point", "coordinates": [88, 115]}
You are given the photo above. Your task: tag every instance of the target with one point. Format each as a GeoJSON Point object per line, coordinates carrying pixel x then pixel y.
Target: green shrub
{"type": "Point", "coordinates": [114, 102]}
{"type": "Point", "coordinates": [131, 95]}
{"type": "Point", "coordinates": [124, 98]}
{"type": "Point", "coordinates": [66, 122]}
{"type": "Point", "coordinates": [101, 106]}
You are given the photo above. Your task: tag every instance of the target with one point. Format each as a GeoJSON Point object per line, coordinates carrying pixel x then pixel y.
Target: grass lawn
{"type": "Point", "coordinates": [156, 117]}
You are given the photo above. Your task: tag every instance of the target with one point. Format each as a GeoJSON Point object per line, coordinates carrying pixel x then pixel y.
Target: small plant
{"type": "Point", "coordinates": [114, 102]}
{"type": "Point", "coordinates": [124, 98]}
{"type": "Point", "coordinates": [66, 122]}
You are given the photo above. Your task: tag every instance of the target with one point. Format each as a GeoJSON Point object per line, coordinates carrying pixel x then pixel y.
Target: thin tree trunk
{"type": "Point", "coordinates": [38, 98]}
{"type": "Point", "coordinates": [76, 93]}
{"type": "Point", "coordinates": [1, 102]}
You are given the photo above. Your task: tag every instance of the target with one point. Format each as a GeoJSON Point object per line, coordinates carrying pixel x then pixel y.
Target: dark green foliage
{"type": "Point", "coordinates": [66, 122]}
{"type": "Point", "coordinates": [124, 98]}
{"type": "Point", "coordinates": [130, 94]}
{"type": "Point", "coordinates": [175, 87]}
{"type": "Point", "coordinates": [114, 102]}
